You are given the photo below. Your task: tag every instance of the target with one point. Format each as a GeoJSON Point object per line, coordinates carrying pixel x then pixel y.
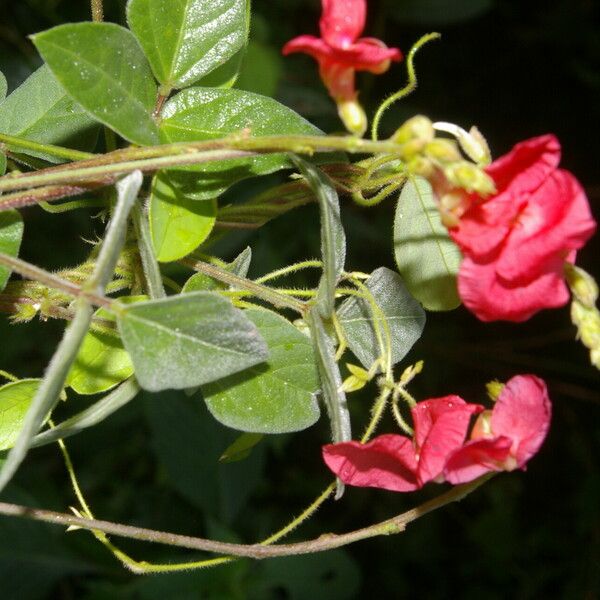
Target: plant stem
{"type": "Point", "coordinates": [391, 526]}
{"type": "Point", "coordinates": [105, 167]}
{"type": "Point", "coordinates": [90, 416]}
{"type": "Point", "coordinates": [97, 11]}
{"type": "Point", "coordinates": [57, 151]}
{"type": "Point", "coordinates": [41, 194]}
{"type": "Point", "coordinates": [105, 174]}
{"type": "Point", "coordinates": [127, 191]}
{"type": "Point", "coordinates": [306, 264]}
{"type": "Point", "coordinates": [30, 271]}
{"type": "Point", "coordinates": [149, 263]}
{"type": "Point", "coordinates": [256, 289]}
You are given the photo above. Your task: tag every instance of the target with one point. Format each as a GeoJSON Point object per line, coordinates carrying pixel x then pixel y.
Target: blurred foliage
{"type": "Point", "coordinates": [515, 69]}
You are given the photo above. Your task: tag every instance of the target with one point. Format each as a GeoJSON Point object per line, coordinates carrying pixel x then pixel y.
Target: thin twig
{"type": "Point", "coordinates": [391, 526]}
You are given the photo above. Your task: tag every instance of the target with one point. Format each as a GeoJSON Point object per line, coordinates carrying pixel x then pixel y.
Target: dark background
{"type": "Point", "coordinates": [516, 69]}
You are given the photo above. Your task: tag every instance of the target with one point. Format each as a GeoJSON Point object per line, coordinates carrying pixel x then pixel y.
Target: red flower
{"type": "Point", "coordinates": [516, 242]}
{"type": "Point", "coordinates": [502, 439]}
{"type": "Point", "coordinates": [506, 437]}
{"type": "Point", "coordinates": [397, 463]}
{"type": "Point", "coordinates": [340, 53]}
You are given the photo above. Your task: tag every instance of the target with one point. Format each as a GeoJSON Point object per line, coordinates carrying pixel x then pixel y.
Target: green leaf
{"type": "Point", "coordinates": [3, 86]}
{"type": "Point", "coordinates": [199, 282]}
{"type": "Point", "coordinates": [403, 314]}
{"type": "Point", "coordinates": [15, 399]}
{"type": "Point", "coordinates": [188, 340]}
{"type": "Point", "coordinates": [102, 361]}
{"type": "Point", "coordinates": [11, 234]}
{"type": "Point", "coordinates": [178, 223]}
{"type": "Point", "coordinates": [427, 258]}
{"type": "Point", "coordinates": [41, 111]}
{"type": "Point", "coordinates": [226, 75]}
{"type": "Point", "coordinates": [2, 164]}
{"type": "Point", "coordinates": [102, 66]}
{"type": "Point", "coordinates": [333, 238]}
{"type": "Point", "coordinates": [278, 396]}
{"type": "Point", "coordinates": [186, 39]}
{"type": "Point", "coordinates": [208, 113]}
{"type": "Point", "coordinates": [241, 448]}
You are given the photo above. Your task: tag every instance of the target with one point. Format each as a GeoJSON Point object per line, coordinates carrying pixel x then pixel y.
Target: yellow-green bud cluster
{"type": "Point", "coordinates": [584, 313]}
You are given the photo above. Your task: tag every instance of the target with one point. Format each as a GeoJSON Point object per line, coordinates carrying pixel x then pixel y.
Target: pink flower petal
{"type": "Point", "coordinates": [526, 166]}
{"type": "Point", "coordinates": [440, 428]}
{"type": "Point", "coordinates": [476, 458]}
{"type": "Point", "coordinates": [309, 44]}
{"type": "Point", "coordinates": [342, 21]}
{"type": "Point", "coordinates": [522, 413]}
{"type": "Point", "coordinates": [492, 298]}
{"type": "Point", "coordinates": [387, 462]}
{"type": "Point", "coordinates": [517, 175]}
{"type": "Point", "coordinates": [555, 220]}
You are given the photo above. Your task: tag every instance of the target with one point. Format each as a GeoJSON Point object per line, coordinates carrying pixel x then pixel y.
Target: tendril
{"type": "Point", "coordinates": [408, 88]}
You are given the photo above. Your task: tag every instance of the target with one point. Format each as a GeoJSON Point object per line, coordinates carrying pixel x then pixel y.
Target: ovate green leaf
{"type": "Point", "coordinates": [15, 399]}
{"type": "Point", "coordinates": [274, 397]}
{"type": "Point", "coordinates": [403, 314]}
{"type": "Point", "coordinates": [208, 113]}
{"type": "Point", "coordinates": [186, 39]}
{"type": "Point", "coordinates": [178, 223]}
{"type": "Point", "coordinates": [188, 340]}
{"type": "Point", "coordinates": [102, 66]}
{"type": "Point", "coordinates": [41, 111]}
{"type": "Point", "coordinates": [427, 258]}
{"type": "Point", "coordinates": [11, 233]}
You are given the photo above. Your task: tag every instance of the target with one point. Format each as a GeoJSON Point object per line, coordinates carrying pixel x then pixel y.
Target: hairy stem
{"type": "Point", "coordinates": [149, 263]}
{"type": "Point", "coordinates": [104, 168]}
{"type": "Point", "coordinates": [97, 11]}
{"type": "Point", "coordinates": [57, 151]}
{"type": "Point", "coordinates": [256, 289]}
{"type": "Point", "coordinates": [34, 273]}
{"type": "Point", "coordinates": [391, 526]}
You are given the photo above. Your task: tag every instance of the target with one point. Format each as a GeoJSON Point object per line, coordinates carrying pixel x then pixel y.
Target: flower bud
{"type": "Point", "coordinates": [353, 116]}
{"type": "Point", "coordinates": [469, 177]}
{"type": "Point", "coordinates": [587, 321]}
{"type": "Point", "coordinates": [494, 388]}
{"type": "Point", "coordinates": [443, 150]}
{"type": "Point", "coordinates": [419, 165]}
{"type": "Point", "coordinates": [472, 142]}
{"type": "Point", "coordinates": [416, 128]}
{"type": "Point", "coordinates": [475, 146]}
{"type": "Point", "coordinates": [582, 284]}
